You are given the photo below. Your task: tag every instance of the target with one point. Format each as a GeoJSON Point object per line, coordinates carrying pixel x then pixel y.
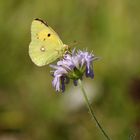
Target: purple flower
{"type": "Point", "coordinates": [72, 66]}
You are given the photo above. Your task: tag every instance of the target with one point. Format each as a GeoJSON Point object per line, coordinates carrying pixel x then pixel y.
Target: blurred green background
{"type": "Point", "coordinates": [30, 109]}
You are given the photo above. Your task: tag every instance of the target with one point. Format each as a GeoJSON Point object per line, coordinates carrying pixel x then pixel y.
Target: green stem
{"type": "Point", "coordinates": [91, 111]}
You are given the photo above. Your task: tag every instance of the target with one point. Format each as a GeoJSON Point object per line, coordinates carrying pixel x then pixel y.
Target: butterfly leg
{"type": "Point", "coordinates": [58, 53]}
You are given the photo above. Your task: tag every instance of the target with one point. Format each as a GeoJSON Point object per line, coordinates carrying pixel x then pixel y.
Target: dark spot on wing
{"type": "Point", "coordinates": [44, 39]}
{"type": "Point", "coordinates": [42, 21]}
{"type": "Point", "coordinates": [49, 35]}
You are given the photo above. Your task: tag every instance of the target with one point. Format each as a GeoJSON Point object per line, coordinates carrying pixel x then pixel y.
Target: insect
{"type": "Point", "coordinates": [45, 46]}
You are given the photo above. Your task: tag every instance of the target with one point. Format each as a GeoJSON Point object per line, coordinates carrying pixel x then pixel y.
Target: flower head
{"type": "Point", "coordinates": [72, 66]}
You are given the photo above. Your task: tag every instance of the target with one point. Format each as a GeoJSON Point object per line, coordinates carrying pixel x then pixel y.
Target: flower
{"type": "Point", "coordinates": [72, 66]}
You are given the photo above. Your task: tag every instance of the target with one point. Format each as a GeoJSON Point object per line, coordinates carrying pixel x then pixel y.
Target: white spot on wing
{"type": "Point", "coordinates": [42, 49]}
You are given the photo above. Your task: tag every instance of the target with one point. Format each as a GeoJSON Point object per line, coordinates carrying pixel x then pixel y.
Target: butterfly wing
{"type": "Point", "coordinates": [45, 46]}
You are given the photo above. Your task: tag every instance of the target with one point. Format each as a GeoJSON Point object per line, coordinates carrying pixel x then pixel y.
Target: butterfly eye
{"type": "Point", "coordinates": [49, 35]}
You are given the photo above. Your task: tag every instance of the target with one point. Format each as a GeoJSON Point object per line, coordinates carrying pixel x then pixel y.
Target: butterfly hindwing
{"type": "Point", "coordinates": [45, 46]}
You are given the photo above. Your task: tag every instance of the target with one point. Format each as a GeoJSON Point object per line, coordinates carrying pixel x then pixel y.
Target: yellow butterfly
{"type": "Point", "coordinates": [45, 46]}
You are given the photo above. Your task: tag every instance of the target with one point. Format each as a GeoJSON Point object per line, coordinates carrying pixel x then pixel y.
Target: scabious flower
{"type": "Point", "coordinates": [73, 66]}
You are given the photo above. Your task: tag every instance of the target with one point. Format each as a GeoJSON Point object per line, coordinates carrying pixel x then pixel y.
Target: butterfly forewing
{"type": "Point", "coordinates": [45, 46]}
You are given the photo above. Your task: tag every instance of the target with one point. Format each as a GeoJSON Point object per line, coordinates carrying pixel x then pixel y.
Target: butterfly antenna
{"type": "Point", "coordinates": [74, 43]}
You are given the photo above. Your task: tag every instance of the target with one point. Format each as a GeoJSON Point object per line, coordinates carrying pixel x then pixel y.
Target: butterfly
{"type": "Point", "coordinates": [45, 46]}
